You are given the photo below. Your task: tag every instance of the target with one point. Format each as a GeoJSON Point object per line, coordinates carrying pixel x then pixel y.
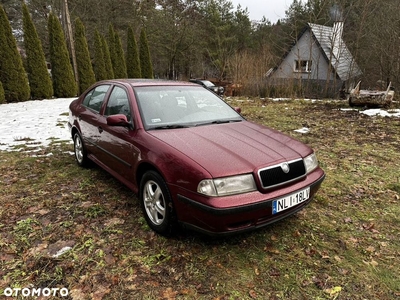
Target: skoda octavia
{"type": "Point", "coordinates": [191, 158]}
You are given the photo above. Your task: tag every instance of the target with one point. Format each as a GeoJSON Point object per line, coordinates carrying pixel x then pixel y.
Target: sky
{"type": "Point", "coordinates": [271, 9]}
{"type": "Point", "coordinates": [37, 123]}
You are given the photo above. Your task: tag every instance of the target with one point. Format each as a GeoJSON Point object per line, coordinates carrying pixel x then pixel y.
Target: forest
{"type": "Point", "coordinates": [213, 39]}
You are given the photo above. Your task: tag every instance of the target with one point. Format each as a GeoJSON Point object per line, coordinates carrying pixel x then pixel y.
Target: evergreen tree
{"type": "Point", "coordinates": [99, 66]}
{"type": "Point", "coordinates": [12, 73]}
{"type": "Point", "coordinates": [64, 84]}
{"type": "Point", "coordinates": [85, 71]}
{"type": "Point", "coordinates": [107, 58]}
{"type": "Point", "coordinates": [39, 79]}
{"type": "Point", "coordinates": [120, 67]}
{"type": "Point", "coordinates": [2, 97]}
{"type": "Point", "coordinates": [111, 47]}
{"type": "Point", "coordinates": [132, 56]}
{"type": "Point", "coordinates": [144, 56]}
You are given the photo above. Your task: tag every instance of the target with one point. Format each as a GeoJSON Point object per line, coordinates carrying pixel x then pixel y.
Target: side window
{"type": "Point", "coordinates": [94, 99]}
{"type": "Point", "coordinates": [118, 103]}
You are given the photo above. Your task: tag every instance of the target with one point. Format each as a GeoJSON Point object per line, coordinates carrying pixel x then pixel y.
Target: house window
{"type": "Point", "coordinates": [303, 66]}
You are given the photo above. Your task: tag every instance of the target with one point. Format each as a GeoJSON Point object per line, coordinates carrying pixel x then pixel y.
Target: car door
{"type": "Point", "coordinates": [89, 117]}
{"type": "Point", "coordinates": [118, 152]}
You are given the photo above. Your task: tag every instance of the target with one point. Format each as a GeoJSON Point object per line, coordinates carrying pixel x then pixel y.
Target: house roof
{"type": "Point", "coordinates": [343, 62]}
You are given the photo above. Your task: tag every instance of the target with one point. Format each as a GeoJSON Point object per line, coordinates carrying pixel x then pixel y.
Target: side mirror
{"type": "Point", "coordinates": [118, 120]}
{"type": "Point", "coordinates": [238, 110]}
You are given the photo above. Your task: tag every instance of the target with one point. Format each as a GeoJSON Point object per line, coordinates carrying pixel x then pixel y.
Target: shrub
{"type": "Point", "coordinates": [64, 84]}
{"type": "Point", "coordinates": [12, 72]}
{"type": "Point", "coordinates": [39, 79]}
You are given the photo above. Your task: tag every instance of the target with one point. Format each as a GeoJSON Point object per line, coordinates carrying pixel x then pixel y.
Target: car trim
{"type": "Point", "coordinates": [240, 209]}
{"type": "Point", "coordinates": [112, 155]}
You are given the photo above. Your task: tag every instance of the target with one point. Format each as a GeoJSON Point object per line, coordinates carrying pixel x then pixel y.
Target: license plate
{"type": "Point", "coordinates": [290, 201]}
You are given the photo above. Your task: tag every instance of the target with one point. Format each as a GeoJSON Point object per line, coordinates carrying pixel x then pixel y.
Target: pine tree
{"type": "Point", "coordinates": [2, 97]}
{"type": "Point", "coordinates": [120, 68]}
{"type": "Point", "coordinates": [99, 66]}
{"type": "Point", "coordinates": [12, 73]}
{"type": "Point", "coordinates": [132, 56]}
{"type": "Point", "coordinates": [64, 84]}
{"type": "Point", "coordinates": [144, 56]}
{"type": "Point", "coordinates": [107, 58]}
{"type": "Point", "coordinates": [111, 47]}
{"type": "Point", "coordinates": [85, 71]}
{"type": "Point", "coordinates": [39, 79]}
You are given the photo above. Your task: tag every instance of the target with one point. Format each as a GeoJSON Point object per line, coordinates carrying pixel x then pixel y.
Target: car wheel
{"type": "Point", "coordinates": [156, 203]}
{"type": "Point", "coordinates": [80, 151]}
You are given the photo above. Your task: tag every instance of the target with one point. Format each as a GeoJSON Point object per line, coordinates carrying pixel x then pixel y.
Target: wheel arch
{"type": "Point", "coordinates": [142, 169]}
{"type": "Point", "coordinates": [73, 131]}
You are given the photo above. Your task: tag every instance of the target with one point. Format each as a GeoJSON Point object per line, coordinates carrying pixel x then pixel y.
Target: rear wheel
{"type": "Point", "coordinates": [80, 151]}
{"type": "Point", "coordinates": [156, 203]}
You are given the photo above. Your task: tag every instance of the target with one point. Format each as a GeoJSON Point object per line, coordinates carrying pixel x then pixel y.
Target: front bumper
{"type": "Point", "coordinates": [224, 217]}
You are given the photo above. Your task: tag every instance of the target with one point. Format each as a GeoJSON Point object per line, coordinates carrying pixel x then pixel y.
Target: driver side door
{"type": "Point", "coordinates": [116, 143]}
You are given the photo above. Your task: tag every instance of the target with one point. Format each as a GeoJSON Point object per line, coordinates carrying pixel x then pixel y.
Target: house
{"type": "Point", "coordinates": [319, 64]}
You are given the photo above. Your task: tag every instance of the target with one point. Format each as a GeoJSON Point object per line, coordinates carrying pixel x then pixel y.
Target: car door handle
{"type": "Point", "coordinates": [100, 129]}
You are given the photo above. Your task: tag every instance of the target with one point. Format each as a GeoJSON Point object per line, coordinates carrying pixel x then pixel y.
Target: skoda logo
{"type": "Point", "coordinates": [285, 168]}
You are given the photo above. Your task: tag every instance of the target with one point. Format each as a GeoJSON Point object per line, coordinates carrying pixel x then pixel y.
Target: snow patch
{"type": "Point", "coordinates": [303, 130]}
{"type": "Point", "coordinates": [381, 112]}
{"type": "Point", "coordinates": [34, 123]}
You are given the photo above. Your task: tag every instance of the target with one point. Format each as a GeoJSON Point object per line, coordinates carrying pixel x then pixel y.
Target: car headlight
{"type": "Point", "coordinates": [311, 163]}
{"type": "Point", "coordinates": [227, 185]}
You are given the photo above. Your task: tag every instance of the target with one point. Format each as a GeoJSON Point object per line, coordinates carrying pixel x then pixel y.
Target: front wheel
{"type": "Point", "coordinates": [156, 203]}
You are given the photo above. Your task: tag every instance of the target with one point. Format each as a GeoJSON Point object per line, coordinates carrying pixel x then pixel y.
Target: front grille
{"type": "Point", "coordinates": [274, 176]}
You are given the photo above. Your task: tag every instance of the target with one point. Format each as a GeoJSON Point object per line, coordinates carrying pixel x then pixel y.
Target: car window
{"type": "Point", "coordinates": [118, 103]}
{"type": "Point", "coordinates": [94, 99]}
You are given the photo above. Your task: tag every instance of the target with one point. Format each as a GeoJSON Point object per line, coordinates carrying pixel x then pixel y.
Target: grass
{"type": "Point", "coordinates": [345, 245]}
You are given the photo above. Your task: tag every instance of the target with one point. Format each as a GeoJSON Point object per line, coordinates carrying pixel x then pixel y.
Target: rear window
{"type": "Point", "coordinates": [95, 98]}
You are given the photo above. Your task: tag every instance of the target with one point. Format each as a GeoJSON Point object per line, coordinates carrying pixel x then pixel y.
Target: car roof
{"type": "Point", "coordinates": [149, 82]}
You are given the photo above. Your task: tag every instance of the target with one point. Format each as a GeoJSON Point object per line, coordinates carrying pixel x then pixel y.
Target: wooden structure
{"type": "Point", "coordinates": [371, 98]}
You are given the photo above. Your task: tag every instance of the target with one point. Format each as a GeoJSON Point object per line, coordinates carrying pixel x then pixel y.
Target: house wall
{"type": "Point", "coordinates": [305, 49]}
{"type": "Point", "coordinates": [320, 82]}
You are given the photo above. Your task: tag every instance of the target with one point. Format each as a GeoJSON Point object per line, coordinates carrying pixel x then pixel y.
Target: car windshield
{"type": "Point", "coordinates": [164, 107]}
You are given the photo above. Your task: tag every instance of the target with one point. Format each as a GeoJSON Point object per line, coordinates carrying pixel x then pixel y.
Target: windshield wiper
{"type": "Point", "coordinates": [219, 122]}
{"type": "Point", "coordinates": [174, 126]}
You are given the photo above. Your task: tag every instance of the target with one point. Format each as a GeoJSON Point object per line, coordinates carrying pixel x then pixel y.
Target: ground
{"type": "Point", "coordinates": [62, 226]}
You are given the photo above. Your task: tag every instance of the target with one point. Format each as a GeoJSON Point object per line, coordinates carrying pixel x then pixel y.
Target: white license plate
{"type": "Point", "coordinates": [290, 201]}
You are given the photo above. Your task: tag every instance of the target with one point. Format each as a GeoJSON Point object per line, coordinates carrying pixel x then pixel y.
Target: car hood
{"type": "Point", "coordinates": [233, 148]}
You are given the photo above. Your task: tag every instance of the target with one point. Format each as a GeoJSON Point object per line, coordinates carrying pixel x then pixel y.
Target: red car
{"type": "Point", "coordinates": [190, 157]}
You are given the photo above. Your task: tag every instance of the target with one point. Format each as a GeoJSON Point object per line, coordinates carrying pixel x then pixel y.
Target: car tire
{"type": "Point", "coordinates": [156, 203]}
{"type": "Point", "coordinates": [80, 151]}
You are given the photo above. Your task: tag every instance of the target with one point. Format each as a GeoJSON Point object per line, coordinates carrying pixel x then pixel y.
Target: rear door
{"type": "Point", "coordinates": [89, 117]}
